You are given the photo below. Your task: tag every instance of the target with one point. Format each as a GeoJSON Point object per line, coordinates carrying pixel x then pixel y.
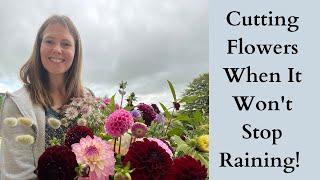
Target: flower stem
{"type": "Point", "coordinates": [130, 141]}
{"type": "Point", "coordinates": [119, 144]}
{"type": "Point", "coordinates": [121, 101]}
{"type": "Point", "coordinates": [114, 144]}
{"type": "Point", "coordinates": [169, 123]}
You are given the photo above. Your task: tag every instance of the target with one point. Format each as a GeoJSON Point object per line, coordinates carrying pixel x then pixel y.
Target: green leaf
{"type": "Point", "coordinates": [183, 118]}
{"type": "Point", "coordinates": [175, 131]}
{"type": "Point", "coordinates": [165, 109]}
{"type": "Point", "coordinates": [112, 103]}
{"type": "Point", "coordinates": [188, 99]}
{"type": "Point", "coordinates": [182, 146]}
{"type": "Point", "coordinates": [173, 92]}
{"type": "Point", "coordinates": [197, 116]}
{"type": "Point", "coordinates": [199, 157]}
{"type": "Point", "coordinates": [177, 140]}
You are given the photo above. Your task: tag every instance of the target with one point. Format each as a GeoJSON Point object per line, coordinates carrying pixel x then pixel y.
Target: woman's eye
{"type": "Point", "coordinates": [48, 41]}
{"type": "Point", "coordinates": [66, 44]}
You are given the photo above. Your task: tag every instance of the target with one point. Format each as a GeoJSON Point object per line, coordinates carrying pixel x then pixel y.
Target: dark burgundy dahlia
{"type": "Point", "coordinates": [176, 105]}
{"type": "Point", "coordinates": [148, 113]}
{"type": "Point", "coordinates": [148, 159]}
{"type": "Point", "coordinates": [75, 133]}
{"type": "Point", "coordinates": [57, 162]}
{"type": "Point", "coordinates": [155, 108]}
{"type": "Point", "coordinates": [187, 168]}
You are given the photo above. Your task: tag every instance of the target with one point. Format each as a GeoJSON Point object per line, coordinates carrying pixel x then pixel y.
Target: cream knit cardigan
{"type": "Point", "coordinates": [18, 161]}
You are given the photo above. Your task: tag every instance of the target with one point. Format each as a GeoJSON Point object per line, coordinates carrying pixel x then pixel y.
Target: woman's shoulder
{"type": "Point", "coordinates": [16, 101]}
{"type": "Point", "coordinates": [89, 91]}
{"type": "Point", "coordinates": [21, 93]}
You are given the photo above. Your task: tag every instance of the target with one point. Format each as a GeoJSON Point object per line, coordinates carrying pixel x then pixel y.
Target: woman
{"type": "Point", "coordinates": [51, 78]}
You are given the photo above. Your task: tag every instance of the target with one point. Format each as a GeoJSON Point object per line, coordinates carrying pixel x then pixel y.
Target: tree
{"type": "Point", "coordinates": [196, 95]}
{"type": "Point", "coordinates": [1, 99]}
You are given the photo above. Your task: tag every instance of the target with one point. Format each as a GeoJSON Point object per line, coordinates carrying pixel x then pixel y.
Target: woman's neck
{"type": "Point", "coordinates": [57, 91]}
{"type": "Point", "coordinates": [56, 84]}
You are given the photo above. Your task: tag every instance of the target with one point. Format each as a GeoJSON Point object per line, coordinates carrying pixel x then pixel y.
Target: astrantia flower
{"type": "Point", "coordinates": [187, 168]}
{"type": "Point", "coordinates": [203, 143]}
{"type": "Point", "coordinates": [118, 123]}
{"type": "Point", "coordinates": [24, 121]}
{"type": "Point", "coordinates": [57, 162]}
{"type": "Point", "coordinates": [25, 139]}
{"type": "Point", "coordinates": [71, 113]}
{"type": "Point", "coordinates": [54, 123]}
{"type": "Point", "coordinates": [102, 106]}
{"type": "Point", "coordinates": [10, 121]}
{"type": "Point", "coordinates": [148, 159]}
{"type": "Point", "coordinates": [75, 133]}
{"type": "Point", "coordinates": [82, 122]}
{"type": "Point", "coordinates": [135, 113]}
{"type": "Point", "coordinates": [106, 100]}
{"type": "Point", "coordinates": [148, 113]}
{"type": "Point", "coordinates": [78, 102]}
{"type": "Point", "coordinates": [86, 111]}
{"type": "Point", "coordinates": [97, 154]}
{"type": "Point", "coordinates": [64, 121]}
{"type": "Point", "coordinates": [139, 129]}
{"type": "Point", "coordinates": [89, 98]}
{"type": "Point", "coordinates": [160, 118]}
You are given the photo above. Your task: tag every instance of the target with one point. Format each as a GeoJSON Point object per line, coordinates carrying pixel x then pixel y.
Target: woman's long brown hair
{"type": "Point", "coordinates": [35, 77]}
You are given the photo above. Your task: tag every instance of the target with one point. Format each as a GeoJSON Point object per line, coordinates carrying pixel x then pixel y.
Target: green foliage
{"type": "Point", "coordinates": [173, 92]}
{"type": "Point", "coordinates": [196, 95]}
{"type": "Point", "coordinates": [166, 111]}
{"type": "Point", "coordinates": [1, 99]}
{"type": "Point", "coordinates": [184, 148]}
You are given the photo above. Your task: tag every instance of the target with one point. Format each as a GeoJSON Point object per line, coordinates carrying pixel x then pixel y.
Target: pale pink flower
{"type": "Point", "coordinates": [71, 113]}
{"type": "Point", "coordinates": [97, 154]}
{"type": "Point", "coordinates": [78, 102]}
{"type": "Point", "coordinates": [106, 100]}
{"type": "Point", "coordinates": [89, 99]}
{"type": "Point", "coordinates": [139, 129]}
{"type": "Point", "coordinates": [102, 106]}
{"type": "Point", "coordinates": [161, 144]}
{"type": "Point", "coordinates": [86, 111]}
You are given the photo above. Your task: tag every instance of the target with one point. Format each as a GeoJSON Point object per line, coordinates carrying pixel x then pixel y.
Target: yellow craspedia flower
{"type": "Point", "coordinates": [25, 139]}
{"type": "Point", "coordinates": [54, 123]}
{"type": "Point", "coordinates": [24, 121]}
{"type": "Point", "coordinates": [203, 143]}
{"type": "Point", "coordinates": [10, 121]}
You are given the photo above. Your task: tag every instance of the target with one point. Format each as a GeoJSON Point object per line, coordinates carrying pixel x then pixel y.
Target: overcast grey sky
{"type": "Point", "coordinates": [144, 42]}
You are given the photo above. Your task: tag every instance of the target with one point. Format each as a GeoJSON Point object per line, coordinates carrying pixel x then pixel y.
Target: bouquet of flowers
{"type": "Point", "coordinates": [105, 140]}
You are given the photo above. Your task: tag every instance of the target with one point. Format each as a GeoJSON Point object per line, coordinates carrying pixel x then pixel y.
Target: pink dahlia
{"type": "Point", "coordinates": [148, 113]}
{"type": "Point", "coordinates": [163, 145]}
{"type": "Point", "coordinates": [97, 154]}
{"type": "Point", "coordinates": [139, 129]}
{"type": "Point", "coordinates": [118, 123]}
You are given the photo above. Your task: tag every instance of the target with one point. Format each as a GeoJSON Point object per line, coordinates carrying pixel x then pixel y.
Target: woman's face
{"type": "Point", "coordinates": [57, 49]}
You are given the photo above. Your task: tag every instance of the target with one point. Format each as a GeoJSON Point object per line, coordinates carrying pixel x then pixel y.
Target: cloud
{"type": "Point", "coordinates": [144, 42]}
